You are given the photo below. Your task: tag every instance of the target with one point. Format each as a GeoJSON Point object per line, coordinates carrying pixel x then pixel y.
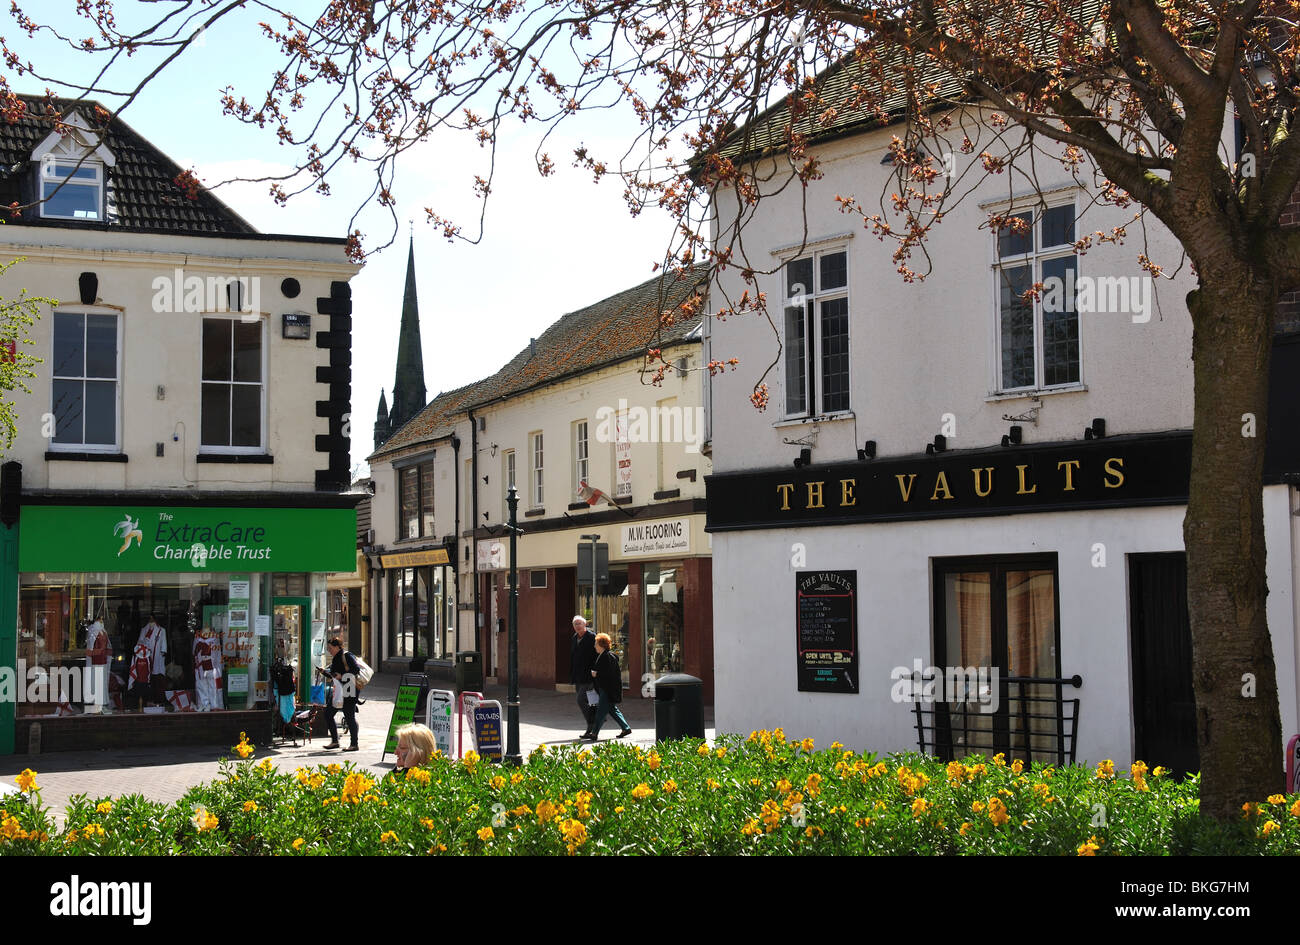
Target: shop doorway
{"type": "Point", "coordinates": [292, 621]}
{"type": "Point", "coordinates": [1164, 706]}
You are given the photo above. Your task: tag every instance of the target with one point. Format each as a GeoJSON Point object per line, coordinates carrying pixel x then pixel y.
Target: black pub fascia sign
{"type": "Point", "coordinates": [1105, 473]}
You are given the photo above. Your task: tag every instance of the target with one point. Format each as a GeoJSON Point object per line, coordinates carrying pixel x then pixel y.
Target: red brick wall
{"type": "Point", "coordinates": [697, 640]}
{"type": "Point", "coordinates": [79, 732]}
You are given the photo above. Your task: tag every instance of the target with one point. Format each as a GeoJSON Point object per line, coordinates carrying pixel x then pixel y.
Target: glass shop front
{"type": "Point", "coordinates": [172, 609]}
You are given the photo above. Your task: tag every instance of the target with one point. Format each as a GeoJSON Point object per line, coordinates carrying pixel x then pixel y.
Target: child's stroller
{"type": "Point", "coordinates": [293, 721]}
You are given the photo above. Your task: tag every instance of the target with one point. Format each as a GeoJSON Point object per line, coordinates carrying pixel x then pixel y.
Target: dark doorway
{"type": "Point", "coordinates": [1164, 707]}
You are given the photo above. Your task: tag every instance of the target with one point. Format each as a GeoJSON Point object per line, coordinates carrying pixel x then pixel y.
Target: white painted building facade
{"type": "Point", "coordinates": [939, 558]}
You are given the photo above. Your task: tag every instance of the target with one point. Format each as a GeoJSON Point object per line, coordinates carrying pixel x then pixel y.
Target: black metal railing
{"type": "Point", "coordinates": [1031, 719]}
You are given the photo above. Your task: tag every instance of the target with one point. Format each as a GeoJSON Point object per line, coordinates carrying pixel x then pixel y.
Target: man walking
{"type": "Point", "coordinates": [582, 658]}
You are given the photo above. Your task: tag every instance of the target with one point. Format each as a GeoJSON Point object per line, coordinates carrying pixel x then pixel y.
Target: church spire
{"type": "Point", "coordinates": [408, 386]}
{"type": "Point", "coordinates": [382, 431]}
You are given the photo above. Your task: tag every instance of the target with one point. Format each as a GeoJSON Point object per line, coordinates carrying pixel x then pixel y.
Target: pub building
{"type": "Point", "coordinates": [959, 485]}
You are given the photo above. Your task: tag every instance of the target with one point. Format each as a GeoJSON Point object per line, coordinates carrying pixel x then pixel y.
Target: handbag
{"type": "Point", "coordinates": [364, 672]}
{"type": "Point", "coordinates": [593, 698]}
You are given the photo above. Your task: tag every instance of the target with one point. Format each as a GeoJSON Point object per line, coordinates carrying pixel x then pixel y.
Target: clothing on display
{"type": "Point", "coordinates": [207, 670]}
{"type": "Point", "coordinates": [98, 653]}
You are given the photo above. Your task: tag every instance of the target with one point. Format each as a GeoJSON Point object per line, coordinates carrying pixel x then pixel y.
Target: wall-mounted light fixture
{"type": "Point", "coordinates": [1013, 438]}
{"type": "Point", "coordinates": [803, 459]}
{"type": "Point", "coordinates": [868, 451]}
{"type": "Point", "coordinates": [939, 445]}
{"type": "Point", "coordinates": [1097, 431]}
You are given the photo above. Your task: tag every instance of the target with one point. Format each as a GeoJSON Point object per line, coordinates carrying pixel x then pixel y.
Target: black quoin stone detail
{"type": "Point", "coordinates": [338, 376]}
{"type": "Point", "coordinates": [11, 492]}
{"type": "Point", "coordinates": [88, 287]}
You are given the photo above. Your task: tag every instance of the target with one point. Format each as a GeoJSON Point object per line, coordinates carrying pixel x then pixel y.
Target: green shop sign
{"type": "Point", "coordinates": [125, 538]}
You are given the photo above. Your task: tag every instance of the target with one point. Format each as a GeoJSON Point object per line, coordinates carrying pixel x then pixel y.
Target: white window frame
{"type": "Point", "coordinates": [581, 455]}
{"type": "Point", "coordinates": [116, 446]}
{"type": "Point", "coordinates": [815, 251]}
{"type": "Point", "coordinates": [71, 184]}
{"type": "Point", "coordinates": [537, 470]}
{"type": "Point", "coordinates": [508, 474]}
{"type": "Point", "coordinates": [1035, 258]}
{"type": "Point", "coordinates": [260, 449]}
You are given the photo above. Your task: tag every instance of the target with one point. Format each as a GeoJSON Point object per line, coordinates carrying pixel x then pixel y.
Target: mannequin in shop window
{"type": "Point", "coordinates": [207, 670]}
{"type": "Point", "coordinates": [98, 653]}
{"type": "Point", "coordinates": [148, 661]}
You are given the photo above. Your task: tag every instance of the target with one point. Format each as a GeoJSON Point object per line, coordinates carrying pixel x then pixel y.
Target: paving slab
{"type": "Point", "coordinates": [166, 773]}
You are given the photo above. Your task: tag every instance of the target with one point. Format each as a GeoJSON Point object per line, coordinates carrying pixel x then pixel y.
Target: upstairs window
{"type": "Point", "coordinates": [817, 334]}
{"type": "Point", "coordinates": [85, 382]}
{"type": "Point", "coordinates": [581, 458]}
{"type": "Point", "coordinates": [69, 192]}
{"type": "Point", "coordinates": [233, 401]}
{"type": "Point", "coordinates": [1038, 339]}
{"type": "Point", "coordinates": [416, 501]}
{"type": "Point", "coordinates": [538, 471]}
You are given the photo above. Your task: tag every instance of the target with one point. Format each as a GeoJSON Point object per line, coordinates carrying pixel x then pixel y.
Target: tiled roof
{"type": "Point", "coordinates": [436, 420]}
{"type": "Point", "coordinates": [142, 193]}
{"type": "Point", "coordinates": [863, 92]}
{"type": "Point", "coordinates": [848, 94]}
{"type": "Point", "coordinates": [614, 329]}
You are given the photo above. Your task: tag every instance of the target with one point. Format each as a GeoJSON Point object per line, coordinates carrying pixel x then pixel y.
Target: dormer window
{"type": "Point", "coordinates": [69, 192]}
{"type": "Point", "coordinates": [71, 168]}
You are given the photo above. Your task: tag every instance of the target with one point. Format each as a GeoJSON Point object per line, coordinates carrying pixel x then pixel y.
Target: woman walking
{"type": "Point", "coordinates": [609, 686]}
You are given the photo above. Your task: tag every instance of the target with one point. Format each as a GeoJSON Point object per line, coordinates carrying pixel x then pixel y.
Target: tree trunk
{"type": "Point", "coordinates": [1238, 726]}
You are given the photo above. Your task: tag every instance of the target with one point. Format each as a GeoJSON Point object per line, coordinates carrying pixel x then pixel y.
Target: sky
{"type": "Point", "coordinates": [551, 245]}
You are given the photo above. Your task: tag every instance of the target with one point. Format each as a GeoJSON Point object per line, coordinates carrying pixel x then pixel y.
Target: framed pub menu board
{"type": "Point", "coordinates": [826, 634]}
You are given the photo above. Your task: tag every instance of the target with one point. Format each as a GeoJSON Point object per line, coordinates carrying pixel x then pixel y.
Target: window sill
{"type": "Point", "coordinates": [70, 456]}
{"type": "Point", "coordinates": [264, 459]}
{"type": "Point", "coordinates": [533, 513]}
{"type": "Point", "coordinates": [668, 494]}
{"type": "Point", "coordinates": [804, 421]}
{"type": "Point", "coordinates": [578, 506]}
{"type": "Point", "coordinates": [1034, 394]}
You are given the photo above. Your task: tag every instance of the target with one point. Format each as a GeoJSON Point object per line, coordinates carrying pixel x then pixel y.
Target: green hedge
{"type": "Point", "coordinates": [761, 795]}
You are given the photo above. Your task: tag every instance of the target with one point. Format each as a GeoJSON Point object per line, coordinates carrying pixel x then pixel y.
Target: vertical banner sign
{"type": "Point", "coordinates": [826, 635]}
{"type": "Point", "coordinates": [487, 730]}
{"type": "Point", "coordinates": [622, 458]}
{"type": "Point", "coordinates": [408, 694]}
{"type": "Point", "coordinates": [440, 713]}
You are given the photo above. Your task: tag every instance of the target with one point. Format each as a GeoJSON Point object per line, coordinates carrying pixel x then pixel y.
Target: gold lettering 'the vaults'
{"type": "Point", "coordinates": [1070, 466]}
{"type": "Point", "coordinates": [906, 490]}
{"type": "Point", "coordinates": [785, 488]}
{"type": "Point", "coordinates": [846, 492]}
{"type": "Point", "coordinates": [1022, 490]}
{"type": "Point", "coordinates": [1114, 471]}
{"type": "Point", "coordinates": [941, 483]}
{"type": "Point", "coordinates": [982, 492]}
{"type": "Point", "coordinates": [815, 495]}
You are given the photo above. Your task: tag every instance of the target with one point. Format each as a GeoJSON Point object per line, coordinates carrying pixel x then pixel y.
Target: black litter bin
{"type": "Point", "coordinates": [679, 707]}
{"type": "Point", "coordinates": [469, 671]}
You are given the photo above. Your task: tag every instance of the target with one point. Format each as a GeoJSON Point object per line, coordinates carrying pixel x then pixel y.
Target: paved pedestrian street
{"type": "Point", "coordinates": [165, 773]}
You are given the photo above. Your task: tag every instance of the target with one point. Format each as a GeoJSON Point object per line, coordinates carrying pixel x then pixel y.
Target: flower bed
{"type": "Point", "coordinates": [761, 795]}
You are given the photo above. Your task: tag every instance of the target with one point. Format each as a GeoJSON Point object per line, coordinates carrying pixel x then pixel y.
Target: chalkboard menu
{"type": "Point", "coordinates": [826, 607]}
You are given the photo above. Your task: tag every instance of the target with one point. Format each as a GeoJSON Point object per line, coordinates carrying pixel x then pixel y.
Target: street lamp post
{"type": "Point", "coordinates": [593, 539]}
{"type": "Point", "coordinates": [513, 756]}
